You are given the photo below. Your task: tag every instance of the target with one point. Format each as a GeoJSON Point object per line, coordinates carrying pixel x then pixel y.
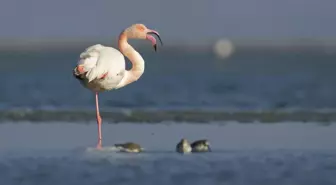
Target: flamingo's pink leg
{"type": "Point", "coordinates": [99, 121]}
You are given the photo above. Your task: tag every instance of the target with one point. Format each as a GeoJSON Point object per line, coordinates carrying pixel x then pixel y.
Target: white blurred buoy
{"type": "Point", "coordinates": [223, 48]}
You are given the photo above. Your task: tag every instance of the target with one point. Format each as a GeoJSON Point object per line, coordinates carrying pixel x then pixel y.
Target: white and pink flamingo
{"type": "Point", "coordinates": [101, 68]}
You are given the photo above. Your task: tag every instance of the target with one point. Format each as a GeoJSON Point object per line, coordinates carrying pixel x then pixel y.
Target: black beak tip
{"type": "Point", "coordinates": [160, 41]}
{"type": "Point", "coordinates": [158, 38]}
{"type": "Point", "coordinates": [155, 48]}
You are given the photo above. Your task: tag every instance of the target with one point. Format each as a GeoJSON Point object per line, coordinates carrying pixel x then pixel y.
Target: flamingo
{"type": "Point", "coordinates": [102, 68]}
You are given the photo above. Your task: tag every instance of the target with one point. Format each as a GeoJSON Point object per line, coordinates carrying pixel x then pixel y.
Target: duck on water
{"type": "Point", "coordinates": [202, 145]}
{"type": "Point", "coordinates": [183, 146]}
{"type": "Point", "coordinates": [129, 147]}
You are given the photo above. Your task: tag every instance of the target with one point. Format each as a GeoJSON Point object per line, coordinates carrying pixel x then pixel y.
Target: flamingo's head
{"type": "Point", "coordinates": [140, 31]}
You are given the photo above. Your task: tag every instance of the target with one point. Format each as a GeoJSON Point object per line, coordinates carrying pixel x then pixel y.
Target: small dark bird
{"type": "Point", "coordinates": [129, 147]}
{"type": "Point", "coordinates": [183, 146]}
{"type": "Point", "coordinates": [201, 146]}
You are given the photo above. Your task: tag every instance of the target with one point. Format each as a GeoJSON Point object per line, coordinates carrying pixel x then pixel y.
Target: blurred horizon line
{"type": "Point", "coordinates": [73, 43]}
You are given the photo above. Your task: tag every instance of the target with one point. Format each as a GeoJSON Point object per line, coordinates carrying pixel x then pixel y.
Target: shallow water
{"type": "Point", "coordinates": [251, 79]}
{"type": "Point", "coordinates": [63, 153]}
{"type": "Point", "coordinates": [164, 136]}
{"type": "Point", "coordinates": [47, 133]}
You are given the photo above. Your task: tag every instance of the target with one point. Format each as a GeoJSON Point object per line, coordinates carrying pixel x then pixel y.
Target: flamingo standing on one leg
{"type": "Point", "coordinates": [102, 68]}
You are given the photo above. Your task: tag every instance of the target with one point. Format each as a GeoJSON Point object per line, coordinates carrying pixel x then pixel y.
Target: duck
{"type": "Point", "coordinates": [183, 146]}
{"type": "Point", "coordinates": [129, 147]}
{"type": "Point", "coordinates": [202, 145]}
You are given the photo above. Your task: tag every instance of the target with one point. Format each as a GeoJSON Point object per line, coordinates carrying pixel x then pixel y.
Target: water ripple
{"type": "Point", "coordinates": [235, 167]}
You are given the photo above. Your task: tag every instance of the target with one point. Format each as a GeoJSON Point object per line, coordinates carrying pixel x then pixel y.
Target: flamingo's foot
{"type": "Point", "coordinates": [99, 144]}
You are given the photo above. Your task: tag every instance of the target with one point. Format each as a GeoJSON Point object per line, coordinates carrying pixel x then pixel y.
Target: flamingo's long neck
{"type": "Point", "coordinates": [138, 63]}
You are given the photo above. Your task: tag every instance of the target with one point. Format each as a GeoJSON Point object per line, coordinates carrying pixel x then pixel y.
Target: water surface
{"type": "Point", "coordinates": [63, 153]}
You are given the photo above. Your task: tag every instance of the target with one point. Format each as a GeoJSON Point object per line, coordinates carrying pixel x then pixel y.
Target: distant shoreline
{"type": "Point", "coordinates": [74, 44]}
{"type": "Point", "coordinates": [178, 116]}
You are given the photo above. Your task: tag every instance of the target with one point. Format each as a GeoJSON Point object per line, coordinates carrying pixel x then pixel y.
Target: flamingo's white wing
{"type": "Point", "coordinates": [99, 60]}
{"type": "Point", "coordinates": [88, 59]}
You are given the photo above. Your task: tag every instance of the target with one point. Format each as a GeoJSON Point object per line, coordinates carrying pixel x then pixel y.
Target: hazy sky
{"type": "Point", "coordinates": [190, 19]}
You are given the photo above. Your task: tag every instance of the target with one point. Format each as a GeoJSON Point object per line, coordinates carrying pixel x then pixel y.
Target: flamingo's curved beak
{"type": "Point", "coordinates": [152, 39]}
